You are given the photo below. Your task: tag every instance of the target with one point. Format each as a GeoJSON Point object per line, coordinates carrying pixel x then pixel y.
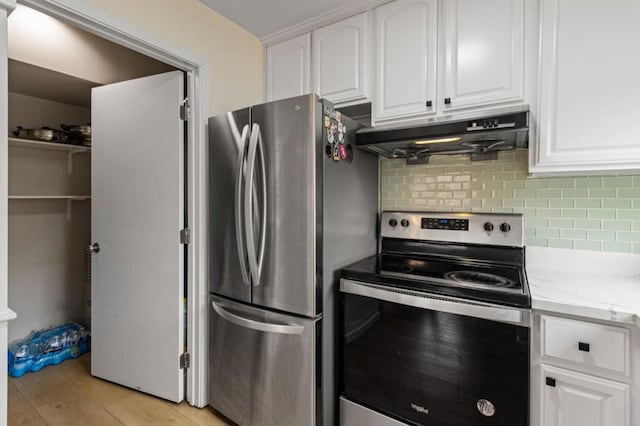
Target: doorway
{"type": "Point", "coordinates": [194, 82]}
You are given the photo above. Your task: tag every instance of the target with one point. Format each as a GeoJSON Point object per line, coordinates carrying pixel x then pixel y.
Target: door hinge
{"type": "Point", "coordinates": [185, 360]}
{"type": "Point", "coordinates": [185, 236]}
{"type": "Point", "coordinates": [185, 110]}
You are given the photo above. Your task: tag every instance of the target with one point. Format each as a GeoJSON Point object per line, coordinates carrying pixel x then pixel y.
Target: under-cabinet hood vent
{"type": "Point", "coordinates": [480, 137]}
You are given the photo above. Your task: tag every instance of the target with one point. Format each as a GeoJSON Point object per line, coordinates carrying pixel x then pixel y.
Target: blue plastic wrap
{"type": "Point", "coordinates": [47, 347]}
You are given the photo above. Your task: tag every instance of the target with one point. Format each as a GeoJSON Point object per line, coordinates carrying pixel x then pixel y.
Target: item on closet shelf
{"type": "Point", "coordinates": [35, 134]}
{"type": "Point", "coordinates": [47, 347]}
{"type": "Point", "coordinates": [83, 130]}
{"type": "Point", "coordinates": [48, 134]}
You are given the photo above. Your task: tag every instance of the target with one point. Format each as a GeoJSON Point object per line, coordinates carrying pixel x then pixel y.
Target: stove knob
{"type": "Point", "coordinates": [488, 226]}
{"type": "Point", "coordinates": [505, 227]}
{"type": "Point", "coordinates": [393, 222]}
{"type": "Point", "coordinates": [404, 223]}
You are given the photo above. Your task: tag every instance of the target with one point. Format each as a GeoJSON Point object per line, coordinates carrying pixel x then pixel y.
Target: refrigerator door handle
{"type": "Point", "coordinates": [254, 324]}
{"type": "Point", "coordinates": [248, 206]}
{"type": "Point", "coordinates": [263, 213]}
{"type": "Point", "coordinates": [240, 229]}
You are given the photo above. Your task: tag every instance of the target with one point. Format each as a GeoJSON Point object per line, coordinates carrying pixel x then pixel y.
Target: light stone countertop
{"type": "Point", "coordinates": [592, 285]}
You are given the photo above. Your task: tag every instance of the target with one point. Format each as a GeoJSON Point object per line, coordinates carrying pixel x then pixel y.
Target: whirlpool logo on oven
{"type": "Point", "coordinates": [420, 409]}
{"type": "Point", "coordinates": [486, 407]}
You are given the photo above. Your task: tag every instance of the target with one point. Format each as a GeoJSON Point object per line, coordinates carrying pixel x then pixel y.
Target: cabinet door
{"type": "Point", "coordinates": [341, 60]}
{"type": "Point", "coordinates": [574, 399]}
{"type": "Point", "coordinates": [484, 52]}
{"type": "Point", "coordinates": [288, 68]}
{"type": "Point", "coordinates": [589, 87]}
{"type": "Point", "coordinates": [406, 42]}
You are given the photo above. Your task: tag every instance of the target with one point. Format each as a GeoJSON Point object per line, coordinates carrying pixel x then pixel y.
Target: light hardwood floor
{"type": "Point", "coordinates": [68, 395]}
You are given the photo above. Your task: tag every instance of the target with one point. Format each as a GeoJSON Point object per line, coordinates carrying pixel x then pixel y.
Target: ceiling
{"type": "Point", "coordinates": [264, 17]}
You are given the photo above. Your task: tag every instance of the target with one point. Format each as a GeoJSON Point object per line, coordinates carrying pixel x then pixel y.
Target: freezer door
{"type": "Point", "coordinates": [228, 148]}
{"type": "Point", "coordinates": [262, 369]}
{"type": "Point", "coordinates": [282, 251]}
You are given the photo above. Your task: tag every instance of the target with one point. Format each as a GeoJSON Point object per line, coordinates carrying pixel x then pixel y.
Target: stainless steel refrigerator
{"type": "Point", "coordinates": [290, 202]}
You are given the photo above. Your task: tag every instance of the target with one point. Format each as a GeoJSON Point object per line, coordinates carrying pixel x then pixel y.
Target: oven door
{"type": "Point", "coordinates": [431, 361]}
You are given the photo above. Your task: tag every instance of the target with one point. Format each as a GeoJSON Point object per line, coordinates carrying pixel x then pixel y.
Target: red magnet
{"type": "Point", "coordinates": [343, 152]}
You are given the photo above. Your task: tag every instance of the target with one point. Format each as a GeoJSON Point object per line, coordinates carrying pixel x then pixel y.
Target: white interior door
{"type": "Point", "coordinates": [137, 213]}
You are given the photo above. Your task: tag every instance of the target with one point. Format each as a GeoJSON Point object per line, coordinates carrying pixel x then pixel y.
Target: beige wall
{"type": "Point", "coordinates": [235, 56]}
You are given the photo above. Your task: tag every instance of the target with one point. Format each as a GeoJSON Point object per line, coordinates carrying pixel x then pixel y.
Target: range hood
{"type": "Point", "coordinates": [481, 136]}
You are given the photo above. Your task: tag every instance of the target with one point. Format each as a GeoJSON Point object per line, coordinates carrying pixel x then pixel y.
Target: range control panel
{"type": "Point", "coordinates": [467, 228]}
{"type": "Point", "coordinates": [443, 223]}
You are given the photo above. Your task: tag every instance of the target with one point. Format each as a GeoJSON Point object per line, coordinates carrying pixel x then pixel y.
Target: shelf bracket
{"type": "Point", "coordinates": [69, 206]}
{"type": "Point", "coordinates": [69, 166]}
{"type": "Point", "coordinates": [70, 155]}
{"type": "Point", "coordinates": [69, 210]}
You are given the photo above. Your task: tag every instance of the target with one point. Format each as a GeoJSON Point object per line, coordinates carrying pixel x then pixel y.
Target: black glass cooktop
{"type": "Point", "coordinates": [458, 277]}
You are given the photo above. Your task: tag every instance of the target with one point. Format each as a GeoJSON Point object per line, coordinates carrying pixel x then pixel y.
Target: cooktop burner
{"type": "Point", "coordinates": [479, 278]}
{"type": "Point", "coordinates": [398, 267]}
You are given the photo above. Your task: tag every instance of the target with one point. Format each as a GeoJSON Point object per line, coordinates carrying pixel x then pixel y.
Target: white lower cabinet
{"type": "Point", "coordinates": [575, 399]}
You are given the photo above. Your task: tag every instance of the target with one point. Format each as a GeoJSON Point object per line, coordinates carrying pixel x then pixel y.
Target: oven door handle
{"type": "Point", "coordinates": [437, 303]}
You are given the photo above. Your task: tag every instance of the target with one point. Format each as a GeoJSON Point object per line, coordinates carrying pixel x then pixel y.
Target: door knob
{"type": "Point", "coordinates": [94, 248]}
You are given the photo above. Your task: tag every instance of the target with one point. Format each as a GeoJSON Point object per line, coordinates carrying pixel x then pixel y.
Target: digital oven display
{"type": "Point", "coordinates": [445, 224]}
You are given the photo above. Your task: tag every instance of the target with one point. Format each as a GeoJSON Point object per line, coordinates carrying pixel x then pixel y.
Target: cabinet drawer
{"type": "Point", "coordinates": [585, 343]}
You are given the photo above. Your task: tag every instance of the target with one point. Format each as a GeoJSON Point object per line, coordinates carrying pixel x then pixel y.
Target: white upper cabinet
{"type": "Point", "coordinates": [406, 33]}
{"type": "Point", "coordinates": [341, 59]}
{"type": "Point", "coordinates": [570, 399]}
{"type": "Point", "coordinates": [589, 91]}
{"type": "Point", "coordinates": [288, 68]}
{"type": "Point", "coordinates": [484, 52]}
{"type": "Point", "coordinates": [412, 60]}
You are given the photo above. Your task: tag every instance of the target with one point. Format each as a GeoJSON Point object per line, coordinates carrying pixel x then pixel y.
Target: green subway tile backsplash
{"type": "Point", "coordinates": [600, 213]}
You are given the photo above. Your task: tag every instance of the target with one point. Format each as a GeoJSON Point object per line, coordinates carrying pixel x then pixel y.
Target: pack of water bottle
{"type": "Point", "coordinates": [47, 347]}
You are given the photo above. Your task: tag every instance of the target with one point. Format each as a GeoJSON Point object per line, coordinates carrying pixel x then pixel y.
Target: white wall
{"type": "Point", "coordinates": [235, 56]}
{"type": "Point", "coordinates": [46, 252]}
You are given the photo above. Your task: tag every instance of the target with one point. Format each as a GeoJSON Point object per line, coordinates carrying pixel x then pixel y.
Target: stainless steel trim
{"type": "Point", "coordinates": [263, 214]}
{"type": "Point", "coordinates": [240, 241]}
{"type": "Point", "coordinates": [438, 303]}
{"type": "Point", "coordinates": [352, 414]}
{"type": "Point", "coordinates": [248, 206]}
{"type": "Point", "coordinates": [256, 325]}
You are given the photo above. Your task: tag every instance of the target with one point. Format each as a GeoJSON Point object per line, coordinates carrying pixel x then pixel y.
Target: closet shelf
{"type": "Point", "coordinates": [71, 150]}
{"type": "Point", "coordinates": [67, 198]}
{"type": "Point", "coordinates": [52, 146]}
{"type": "Point", "coordinates": [50, 197]}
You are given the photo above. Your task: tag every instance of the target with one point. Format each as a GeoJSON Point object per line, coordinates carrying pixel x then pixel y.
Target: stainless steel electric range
{"type": "Point", "coordinates": [436, 326]}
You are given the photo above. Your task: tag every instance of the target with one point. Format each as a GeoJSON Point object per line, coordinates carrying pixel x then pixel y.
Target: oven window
{"type": "Point", "coordinates": [434, 368]}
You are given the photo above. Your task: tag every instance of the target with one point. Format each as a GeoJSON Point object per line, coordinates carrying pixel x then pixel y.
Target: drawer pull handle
{"type": "Point", "coordinates": [447, 101]}
{"type": "Point", "coordinates": [550, 381]}
{"type": "Point", "coordinates": [584, 347]}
